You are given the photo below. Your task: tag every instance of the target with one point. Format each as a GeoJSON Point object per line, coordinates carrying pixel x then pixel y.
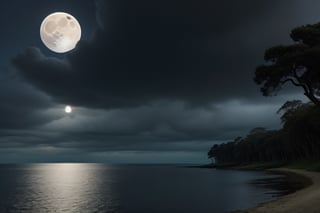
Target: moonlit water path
{"type": "Point", "coordinates": [126, 188]}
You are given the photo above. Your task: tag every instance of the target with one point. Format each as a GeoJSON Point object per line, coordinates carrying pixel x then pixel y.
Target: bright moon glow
{"type": "Point", "coordinates": [68, 109]}
{"type": "Point", "coordinates": [60, 32]}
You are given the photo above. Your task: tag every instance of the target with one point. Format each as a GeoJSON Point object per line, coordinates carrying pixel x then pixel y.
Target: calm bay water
{"type": "Point", "coordinates": [127, 189]}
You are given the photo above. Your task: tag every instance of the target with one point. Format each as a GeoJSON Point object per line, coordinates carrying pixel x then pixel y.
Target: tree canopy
{"type": "Point", "coordinates": [297, 140]}
{"type": "Point", "coordinates": [298, 64]}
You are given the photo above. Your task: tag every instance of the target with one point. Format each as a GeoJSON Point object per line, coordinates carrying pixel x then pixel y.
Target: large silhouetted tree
{"type": "Point", "coordinates": [298, 64]}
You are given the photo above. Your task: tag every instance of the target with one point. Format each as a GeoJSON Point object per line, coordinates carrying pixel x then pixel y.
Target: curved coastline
{"type": "Point", "coordinates": [306, 200]}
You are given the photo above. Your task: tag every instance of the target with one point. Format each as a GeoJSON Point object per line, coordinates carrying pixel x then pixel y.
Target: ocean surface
{"type": "Point", "coordinates": [129, 189]}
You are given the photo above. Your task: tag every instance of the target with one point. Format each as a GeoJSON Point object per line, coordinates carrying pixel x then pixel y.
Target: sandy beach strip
{"type": "Point", "coordinates": [306, 200]}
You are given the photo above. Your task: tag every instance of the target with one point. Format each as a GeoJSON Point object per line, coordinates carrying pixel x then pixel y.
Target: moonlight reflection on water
{"type": "Point", "coordinates": [105, 188]}
{"type": "Point", "coordinates": [66, 187]}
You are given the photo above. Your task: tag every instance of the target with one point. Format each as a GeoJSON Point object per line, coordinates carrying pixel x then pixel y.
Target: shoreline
{"type": "Point", "coordinates": [306, 199]}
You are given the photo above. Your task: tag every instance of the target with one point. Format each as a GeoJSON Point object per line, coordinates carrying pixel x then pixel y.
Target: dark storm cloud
{"type": "Point", "coordinates": [155, 50]}
{"type": "Point", "coordinates": [21, 105]}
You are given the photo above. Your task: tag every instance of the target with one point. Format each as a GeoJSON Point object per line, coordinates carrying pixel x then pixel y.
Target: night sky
{"type": "Point", "coordinates": [156, 81]}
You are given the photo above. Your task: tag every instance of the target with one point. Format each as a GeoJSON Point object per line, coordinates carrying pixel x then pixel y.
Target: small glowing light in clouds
{"type": "Point", "coordinates": [68, 109]}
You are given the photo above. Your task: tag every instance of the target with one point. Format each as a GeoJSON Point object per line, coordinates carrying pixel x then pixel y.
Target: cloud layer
{"type": "Point", "coordinates": [161, 77]}
{"type": "Point", "coordinates": [164, 50]}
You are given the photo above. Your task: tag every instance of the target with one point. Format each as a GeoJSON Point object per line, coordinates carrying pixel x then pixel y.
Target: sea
{"type": "Point", "coordinates": [109, 188]}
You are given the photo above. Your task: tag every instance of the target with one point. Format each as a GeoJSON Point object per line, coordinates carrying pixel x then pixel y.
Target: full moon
{"type": "Point", "coordinates": [68, 109]}
{"type": "Point", "coordinates": [60, 32]}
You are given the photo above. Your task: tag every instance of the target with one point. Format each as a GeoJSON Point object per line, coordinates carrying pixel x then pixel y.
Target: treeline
{"type": "Point", "coordinates": [299, 139]}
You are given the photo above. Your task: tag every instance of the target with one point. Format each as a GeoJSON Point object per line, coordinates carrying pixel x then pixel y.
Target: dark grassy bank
{"type": "Point", "coordinates": [306, 165]}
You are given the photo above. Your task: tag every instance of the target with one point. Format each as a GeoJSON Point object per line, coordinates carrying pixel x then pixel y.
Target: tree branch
{"type": "Point", "coordinates": [292, 81]}
{"type": "Point", "coordinates": [307, 90]}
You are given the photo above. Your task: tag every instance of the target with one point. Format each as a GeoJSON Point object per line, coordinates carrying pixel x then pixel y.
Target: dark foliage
{"type": "Point", "coordinates": [299, 139]}
{"type": "Point", "coordinates": [298, 64]}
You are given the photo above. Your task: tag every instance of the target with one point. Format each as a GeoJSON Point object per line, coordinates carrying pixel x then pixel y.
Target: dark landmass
{"type": "Point", "coordinates": [298, 142]}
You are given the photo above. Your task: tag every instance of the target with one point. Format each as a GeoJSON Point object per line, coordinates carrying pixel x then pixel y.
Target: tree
{"type": "Point", "coordinates": [257, 130]}
{"type": "Point", "coordinates": [288, 109]}
{"type": "Point", "coordinates": [298, 64]}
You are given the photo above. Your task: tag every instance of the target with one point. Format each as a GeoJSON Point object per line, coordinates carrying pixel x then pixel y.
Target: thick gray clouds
{"type": "Point", "coordinates": [22, 107]}
{"type": "Point", "coordinates": [159, 81]}
{"type": "Point", "coordinates": [193, 51]}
